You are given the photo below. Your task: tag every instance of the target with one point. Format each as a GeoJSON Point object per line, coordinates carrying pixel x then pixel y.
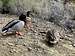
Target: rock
{"type": "Point", "coordinates": [13, 51]}
{"type": "Point", "coordinates": [43, 32]}
{"type": "Point", "coordinates": [29, 48]}
{"type": "Point", "coordinates": [73, 45]}
{"type": "Point", "coordinates": [10, 44]}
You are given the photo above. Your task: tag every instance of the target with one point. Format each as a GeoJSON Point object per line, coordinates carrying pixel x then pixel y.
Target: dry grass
{"type": "Point", "coordinates": [41, 7]}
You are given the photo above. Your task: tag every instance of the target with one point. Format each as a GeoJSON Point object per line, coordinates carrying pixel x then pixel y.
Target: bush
{"type": "Point", "coordinates": [41, 7]}
{"type": "Point", "coordinates": [5, 6]}
{"type": "Point", "coordinates": [51, 10]}
{"type": "Point", "coordinates": [1, 5]}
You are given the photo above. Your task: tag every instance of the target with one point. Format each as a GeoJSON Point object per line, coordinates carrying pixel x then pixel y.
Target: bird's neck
{"type": "Point", "coordinates": [27, 15]}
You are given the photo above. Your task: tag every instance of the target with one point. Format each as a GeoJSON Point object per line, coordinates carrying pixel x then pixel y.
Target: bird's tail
{"type": "Point", "coordinates": [2, 32]}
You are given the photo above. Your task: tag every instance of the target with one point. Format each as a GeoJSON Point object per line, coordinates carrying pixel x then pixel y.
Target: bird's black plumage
{"type": "Point", "coordinates": [22, 17]}
{"type": "Point", "coordinates": [28, 13]}
{"type": "Point", "coordinates": [10, 25]}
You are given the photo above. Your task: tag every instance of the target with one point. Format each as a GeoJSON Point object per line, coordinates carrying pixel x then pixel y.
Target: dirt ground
{"type": "Point", "coordinates": [32, 43]}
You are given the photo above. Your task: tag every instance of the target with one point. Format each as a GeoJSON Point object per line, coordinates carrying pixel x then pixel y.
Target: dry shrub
{"type": "Point", "coordinates": [53, 10]}
{"type": "Point", "coordinates": [1, 5]}
{"type": "Point", "coordinates": [39, 7]}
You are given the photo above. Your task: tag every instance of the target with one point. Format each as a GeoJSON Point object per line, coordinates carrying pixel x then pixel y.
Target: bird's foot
{"type": "Point", "coordinates": [19, 33]}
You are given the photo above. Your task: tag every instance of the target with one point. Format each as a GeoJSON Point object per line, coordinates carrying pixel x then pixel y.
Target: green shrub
{"type": "Point", "coordinates": [5, 2]}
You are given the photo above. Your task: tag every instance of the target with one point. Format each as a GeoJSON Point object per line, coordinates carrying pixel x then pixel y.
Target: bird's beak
{"type": "Point", "coordinates": [31, 14]}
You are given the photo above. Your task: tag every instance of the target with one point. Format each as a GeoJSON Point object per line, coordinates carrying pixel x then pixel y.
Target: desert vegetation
{"type": "Point", "coordinates": [52, 33]}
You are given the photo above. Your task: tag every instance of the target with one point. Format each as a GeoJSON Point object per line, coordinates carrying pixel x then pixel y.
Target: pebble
{"type": "Point", "coordinates": [73, 44]}
{"type": "Point", "coordinates": [29, 48]}
{"type": "Point", "coordinates": [10, 44]}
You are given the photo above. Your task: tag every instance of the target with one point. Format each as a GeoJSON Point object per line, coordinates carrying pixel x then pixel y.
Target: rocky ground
{"type": "Point", "coordinates": [33, 43]}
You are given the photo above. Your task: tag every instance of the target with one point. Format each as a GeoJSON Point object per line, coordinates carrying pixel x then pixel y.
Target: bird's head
{"type": "Point", "coordinates": [22, 17]}
{"type": "Point", "coordinates": [28, 13]}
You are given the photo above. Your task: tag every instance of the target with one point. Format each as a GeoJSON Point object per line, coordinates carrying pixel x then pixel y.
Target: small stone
{"type": "Point", "coordinates": [10, 44]}
{"type": "Point", "coordinates": [24, 44]}
{"type": "Point", "coordinates": [43, 32]}
{"type": "Point", "coordinates": [29, 48]}
{"type": "Point", "coordinates": [11, 51]}
{"type": "Point", "coordinates": [73, 45]}
{"type": "Point", "coordinates": [21, 37]}
{"type": "Point", "coordinates": [14, 50]}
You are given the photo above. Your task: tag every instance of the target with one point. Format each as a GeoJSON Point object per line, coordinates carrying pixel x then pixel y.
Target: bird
{"type": "Point", "coordinates": [52, 36]}
{"type": "Point", "coordinates": [15, 25]}
{"type": "Point", "coordinates": [28, 20]}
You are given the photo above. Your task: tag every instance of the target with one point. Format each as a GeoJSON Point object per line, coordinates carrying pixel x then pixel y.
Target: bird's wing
{"type": "Point", "coordinates": [10, 24]}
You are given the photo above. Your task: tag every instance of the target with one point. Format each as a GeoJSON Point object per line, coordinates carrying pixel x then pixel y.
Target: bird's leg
{"type": "Point", "coordinates": [19, 33]}
{"type": "Point", "coordinates": [29, 25]}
